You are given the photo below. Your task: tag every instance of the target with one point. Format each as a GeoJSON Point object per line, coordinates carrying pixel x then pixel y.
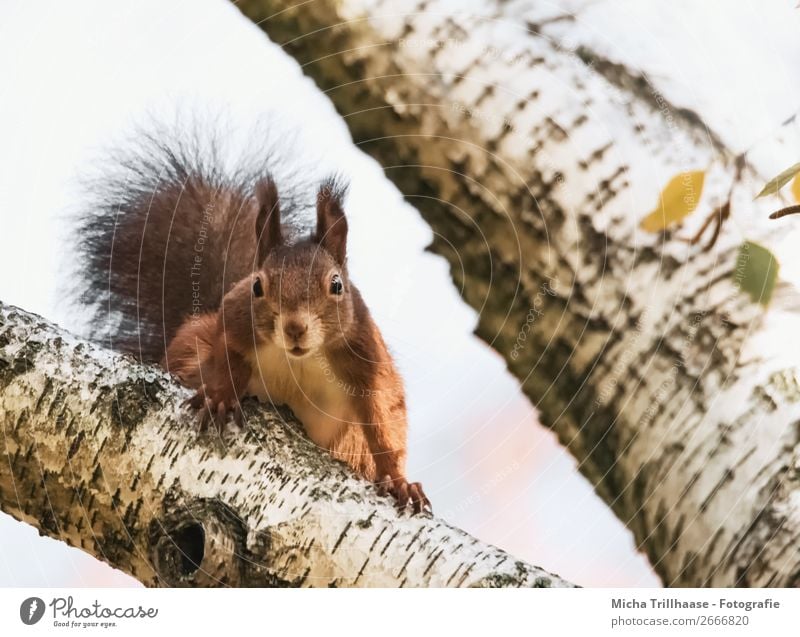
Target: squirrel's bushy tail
{"type": "Point", "coordinates": [168, 229]}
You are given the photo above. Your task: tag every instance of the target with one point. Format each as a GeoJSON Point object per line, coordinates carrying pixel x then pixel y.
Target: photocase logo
{"type": "Point", "coordinates": [31, 610]}
{"type": "Point", "coordinates": [67, 614]}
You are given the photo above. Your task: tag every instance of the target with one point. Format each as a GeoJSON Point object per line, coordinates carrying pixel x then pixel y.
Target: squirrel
{"type": "Point", "coordinates": [195, 267]}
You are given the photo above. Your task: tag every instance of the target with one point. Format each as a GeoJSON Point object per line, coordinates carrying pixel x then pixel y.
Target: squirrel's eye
{"type": "Point", "coordinates": [337, 287]}
{"type": "Point", "coordinates": [258, 288]}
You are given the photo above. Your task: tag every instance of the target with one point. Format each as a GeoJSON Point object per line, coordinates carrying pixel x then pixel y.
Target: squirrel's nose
{"type": "Point", "coordinates": [295, 330]}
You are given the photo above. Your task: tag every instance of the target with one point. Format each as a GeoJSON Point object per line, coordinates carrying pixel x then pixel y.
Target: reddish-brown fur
{"type": "Point", "coordinates": [360, 415]}
{"type": "Point", "coordinates": [188, 260]}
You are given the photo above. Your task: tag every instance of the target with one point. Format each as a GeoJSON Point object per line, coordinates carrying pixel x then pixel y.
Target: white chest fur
{"type": "Point", "coordinates": [308, 386]}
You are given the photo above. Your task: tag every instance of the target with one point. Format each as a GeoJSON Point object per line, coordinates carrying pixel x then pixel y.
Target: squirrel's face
{"type": "Point", "coordinates": [306, 298]}
{"type": "Point", "coordinates": [302, 290]}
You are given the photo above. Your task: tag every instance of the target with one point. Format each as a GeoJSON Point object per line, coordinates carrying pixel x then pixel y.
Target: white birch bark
{"type": "Point", "coordinates": [100, 454]}
{"type": "Point", "coordinates": [534, 165]}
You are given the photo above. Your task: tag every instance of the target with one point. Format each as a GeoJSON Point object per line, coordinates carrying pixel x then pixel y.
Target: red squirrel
{"type": "Point", "coordinates": [196, 271]}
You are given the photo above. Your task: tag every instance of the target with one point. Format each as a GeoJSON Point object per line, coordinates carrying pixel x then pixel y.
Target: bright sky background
{"type": "Point", "coordinates": [75, 76]}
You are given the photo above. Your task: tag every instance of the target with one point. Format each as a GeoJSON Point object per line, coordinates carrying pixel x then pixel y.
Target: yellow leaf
{"type": "Point", "coordinates": [796, 188]}
{"type": "Point", "coordinates": [678, 200]}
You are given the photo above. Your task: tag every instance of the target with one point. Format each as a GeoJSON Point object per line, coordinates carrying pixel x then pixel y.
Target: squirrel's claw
{"type": "Point", "coordinates": [212, 411]}
{"type": "Point", "coordinates": [383, 485]}
{"type": "Point", "coordinates": [405, 493]}
{"type": "Point", "coordinates": [238, 417]}
{"type": "Point", "coordinates": [221, 416]}
{"type": "Point", "coordinates": [419, 500]}
{"type": "Point", "coordinates": [197, 400]}
{"type": "Point", "coordinates": [206, 414]}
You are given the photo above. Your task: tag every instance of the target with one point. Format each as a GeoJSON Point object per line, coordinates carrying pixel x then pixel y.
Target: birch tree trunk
{"type": "Point", "coordinates": [534, 165]}
{"type": "Point", "coordinates": [100, 454]}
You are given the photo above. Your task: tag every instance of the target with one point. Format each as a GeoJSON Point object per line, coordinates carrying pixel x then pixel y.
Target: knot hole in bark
{"type": "Point", "coordinates": [198, 544]}
{"type": "Point", "coordinates": [190, 543]}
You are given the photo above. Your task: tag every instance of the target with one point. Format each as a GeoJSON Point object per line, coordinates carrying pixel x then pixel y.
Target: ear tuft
{"type": "Point", "coordinates": [268, 220]}
{"type": "Point", "coordinates": [331, 231]}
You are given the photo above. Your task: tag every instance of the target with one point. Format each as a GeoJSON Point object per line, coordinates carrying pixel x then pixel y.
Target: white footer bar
{"type": "Point", "coordinates": [28, 611]}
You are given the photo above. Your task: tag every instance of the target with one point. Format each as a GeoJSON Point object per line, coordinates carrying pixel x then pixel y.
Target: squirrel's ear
{"type": "Point", "coordinates": [268, 220]}
{"type": "Point", "coordinates": [331, 222]}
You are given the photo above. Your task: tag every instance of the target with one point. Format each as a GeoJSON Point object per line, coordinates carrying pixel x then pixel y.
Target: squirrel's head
{"type": "Point", "coordinates": [301, 292]}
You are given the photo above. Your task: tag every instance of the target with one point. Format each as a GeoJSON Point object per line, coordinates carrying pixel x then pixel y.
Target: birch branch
{"type": "Point", "coordinates": [100, 454]}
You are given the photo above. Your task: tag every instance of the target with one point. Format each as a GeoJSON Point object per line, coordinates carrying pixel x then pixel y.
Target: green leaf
{"type": "Point", "coordinates": [756, 272]}
{"type": "Point", "coordinates": [775, 184]}
{"type": "Point", "coordinates": [678, 200]}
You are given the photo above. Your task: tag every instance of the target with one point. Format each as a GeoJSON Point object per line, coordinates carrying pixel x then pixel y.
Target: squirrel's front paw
{"type": "Point", "coordinates": [405, 492]}
{"type": "Point", "coordinates": [215, 407]}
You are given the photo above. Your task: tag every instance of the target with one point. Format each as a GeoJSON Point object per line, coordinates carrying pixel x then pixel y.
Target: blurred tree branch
{"type": "Point", "coordinates": [534, 165]}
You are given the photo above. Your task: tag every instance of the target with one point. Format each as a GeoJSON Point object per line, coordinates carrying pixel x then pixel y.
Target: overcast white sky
{"type": "Point", "coordinates": [73, 76]}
